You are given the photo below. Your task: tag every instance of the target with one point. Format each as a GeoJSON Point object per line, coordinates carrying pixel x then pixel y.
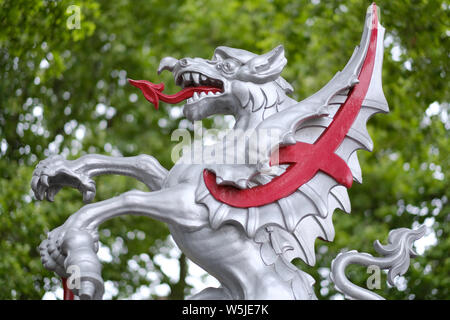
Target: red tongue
{"type": "Point", "coordinates": [153, 92]}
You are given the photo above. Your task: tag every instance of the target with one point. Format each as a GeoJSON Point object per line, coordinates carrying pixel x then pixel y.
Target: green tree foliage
{"type": "Point", "coordinates": [64, 90]}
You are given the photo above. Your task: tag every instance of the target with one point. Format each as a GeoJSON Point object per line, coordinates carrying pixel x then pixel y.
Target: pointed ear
{"type": "Point", "coordinates": [268, 66]}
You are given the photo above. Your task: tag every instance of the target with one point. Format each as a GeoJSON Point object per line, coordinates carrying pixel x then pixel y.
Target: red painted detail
{"type": "Point", "coordinates": [307, 159]}
{"type": "Point", "coordinates": [153, 92]}
{"type": "Point", "coordinates": [68, 294]}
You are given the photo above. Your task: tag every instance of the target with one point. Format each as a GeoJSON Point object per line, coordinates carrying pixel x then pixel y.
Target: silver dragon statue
{"type": "Point", "coordinates": [243, 221]}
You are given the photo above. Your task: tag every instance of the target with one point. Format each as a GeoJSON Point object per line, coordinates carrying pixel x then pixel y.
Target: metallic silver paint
{"type": "Point", "coordinates": [248, 250]}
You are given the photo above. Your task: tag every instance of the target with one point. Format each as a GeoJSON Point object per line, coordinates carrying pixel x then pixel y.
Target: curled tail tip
{"type": "Point", "coordinates": [420, 231]}
{"type": "Point", "coordinates": [396, 257]}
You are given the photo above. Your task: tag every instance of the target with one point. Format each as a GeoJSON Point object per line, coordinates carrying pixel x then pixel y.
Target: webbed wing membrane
{"type": "Point", "coordinates": [287, 212]}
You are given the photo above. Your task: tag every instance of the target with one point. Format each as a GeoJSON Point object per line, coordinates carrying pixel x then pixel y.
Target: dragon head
{"type": "Point", "coordinates": [238, 81]}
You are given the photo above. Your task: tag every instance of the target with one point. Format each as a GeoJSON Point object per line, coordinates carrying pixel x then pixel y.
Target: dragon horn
{"type": "Point", "coordinates": [167, 63]}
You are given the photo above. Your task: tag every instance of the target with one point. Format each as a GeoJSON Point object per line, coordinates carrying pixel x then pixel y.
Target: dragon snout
{"type": "Point", "coordinates": [167, 63]}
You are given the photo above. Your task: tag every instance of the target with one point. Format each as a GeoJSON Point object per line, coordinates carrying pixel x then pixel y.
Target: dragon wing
{"type": "Point", "coordinates": [285, 212]}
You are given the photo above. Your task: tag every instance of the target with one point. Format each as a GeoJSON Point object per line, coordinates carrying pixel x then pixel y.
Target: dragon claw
{"type": "Point", "coordinates": [56, 172]}
{"type": "Point", "coordinates": [66, 247]}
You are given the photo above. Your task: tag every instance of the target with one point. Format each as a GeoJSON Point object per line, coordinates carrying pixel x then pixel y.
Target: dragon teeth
{"type": "Point", "coordinates": [186, 77]}
{"type": "Point", "coordinates": [195, 77]}
{"type": "Point", "coordinates": [197, 96]}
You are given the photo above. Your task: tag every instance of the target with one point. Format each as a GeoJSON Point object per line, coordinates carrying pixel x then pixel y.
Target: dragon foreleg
{"type": "Point", "coordinates": [143, 167]}
{"type": "Point", "coordinates": [396, 258]}
{"type": "Point", "coordinates": [55, 172]}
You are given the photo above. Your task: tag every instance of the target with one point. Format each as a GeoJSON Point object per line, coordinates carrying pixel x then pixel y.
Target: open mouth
{"type": "Point", "coordinates": [195, 86]}
{"type": "Point", "coordinates": [191, 79]}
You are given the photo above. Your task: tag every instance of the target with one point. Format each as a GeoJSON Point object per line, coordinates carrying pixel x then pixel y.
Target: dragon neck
{"type": "Point", "coordinates": [248, 120]}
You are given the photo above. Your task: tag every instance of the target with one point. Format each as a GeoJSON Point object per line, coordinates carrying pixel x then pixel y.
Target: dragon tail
{"type": "Point", "coordinates": [395, 258]}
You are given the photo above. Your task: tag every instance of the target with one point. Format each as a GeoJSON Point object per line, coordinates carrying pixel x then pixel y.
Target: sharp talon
{"type": "Point", "coordinates": [34, 183]}
{"type": "Point", "coordinates": [39, 195]}
{"type": "Point", "coordinates": [88, 196]}
{"type": "Point", "coordinates": [40, 190]}
{"type": "Point", "coordinates": [52, 192]}
{"type": "Point", "coordinates": [44, 180]}
{"type": "Point", "coordinates": [50, 196]}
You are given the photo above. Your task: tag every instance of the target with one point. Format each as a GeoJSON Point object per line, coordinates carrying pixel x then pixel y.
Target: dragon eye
{"type": "Point", "coordinates": [228, 66]}
{"type": "Point", "coordinates": [184, 62]}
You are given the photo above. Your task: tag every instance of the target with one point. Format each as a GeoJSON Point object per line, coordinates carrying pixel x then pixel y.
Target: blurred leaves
{"type": "Point", "coordinates": [64, 91]}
